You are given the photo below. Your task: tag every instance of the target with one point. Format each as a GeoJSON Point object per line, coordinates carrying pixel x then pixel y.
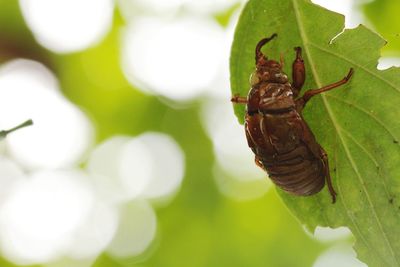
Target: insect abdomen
{"type": "Point", "coordinates": [297, 172]}
{"type": "Point", "coordinates": [276, 141]}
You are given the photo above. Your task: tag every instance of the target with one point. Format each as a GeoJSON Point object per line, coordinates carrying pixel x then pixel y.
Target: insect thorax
{"type": "Point", "coordinates": [270, 98]}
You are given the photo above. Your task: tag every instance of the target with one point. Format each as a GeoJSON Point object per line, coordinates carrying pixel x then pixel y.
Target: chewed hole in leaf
{"type": "Point", "coordinates": [388, 62]}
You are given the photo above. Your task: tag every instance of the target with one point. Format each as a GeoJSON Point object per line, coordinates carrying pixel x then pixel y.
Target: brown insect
{"type": "Point", "coordinates": [280, 138]}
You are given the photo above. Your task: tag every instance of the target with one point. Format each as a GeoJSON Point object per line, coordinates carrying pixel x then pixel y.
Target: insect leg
{"type": "Point", "coordinates": [298, 72]}
{"type": "Point", "coordinates": [301, 102]}
{"type": "Point", "coordinates": [324, 158]}
{"type": "Point", "coordinates": [239, 99]}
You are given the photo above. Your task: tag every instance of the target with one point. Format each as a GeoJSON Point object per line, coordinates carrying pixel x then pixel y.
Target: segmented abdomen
{"type": "Point", "coordinates": [288, 161]}
{"type": "Point", "coordinates": [297, 172]}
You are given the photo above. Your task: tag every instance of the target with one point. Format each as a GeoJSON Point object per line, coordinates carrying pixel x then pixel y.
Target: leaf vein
{"type": "Point", "coordinates": [379, 121]}
{"type": "Point", "coordinates": [336, 125]}
{"type": "Point", "coordinates": [357, 65]}
{"type": "Point", "coordinates": [372, 158]}
{"type": "Point", "coordinates": [349, 214]}
{"type": "Point", "coordinates": [361, 147]}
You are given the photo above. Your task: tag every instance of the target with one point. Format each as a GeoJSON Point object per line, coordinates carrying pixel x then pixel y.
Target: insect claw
{"type": "Point", "coordinates": [298, 53]}
{"type": "Point", "coordinates": [334, 198]}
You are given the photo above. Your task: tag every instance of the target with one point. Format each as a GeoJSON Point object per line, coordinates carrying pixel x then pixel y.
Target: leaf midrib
{"type": "Point", "coordinates": [337, 129]}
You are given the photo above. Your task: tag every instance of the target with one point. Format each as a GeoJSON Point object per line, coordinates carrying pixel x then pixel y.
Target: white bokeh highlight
{"type": "Point", "coordinates": [95, 233]}
{"type": "Point", "coordinates": [388, 62]}
{"type": "Point", "coordinates": [136, 166]}
{"type": "Point", "coordinates": [149, 166]}
{"type": "Point", "coordinates": [68, 262]}
{"type": "Point", "coordinates": [37, 220]}
{"type": "Point", "coordinates": [327, 234]}
{"type": "Point", "coordinates": [61, 133]}
{"type": "Point", "coordinates": [168, 165]}
{"type": "Point", "coordinates": [220, 88]}
{"type": "Point", "coordinates": [118, 175]}
{"type": "Point", "coordinates": [210, 6]}
{"type": "Point", "coordinates": [11, 175]}
{"type": "Point", "coordinates": [68, 25]}
{"type": "Point", "coordinates": [353, 16]}
{"type": "Point", "coordinates": [340, 255]}
{"type": "Point", "coordinates": [130, 8]}
{"type": "Point", "coordinates": [136, 231]}
{"type": "Point", "coordinates": [175, 58]}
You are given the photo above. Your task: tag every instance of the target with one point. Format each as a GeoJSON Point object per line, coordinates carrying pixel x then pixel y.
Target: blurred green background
{"type": "Point", "coordinates": [200, 226]}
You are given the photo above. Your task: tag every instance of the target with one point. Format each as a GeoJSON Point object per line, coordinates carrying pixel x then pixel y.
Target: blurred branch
{"type": "Point", "coordinates": [4, 133]}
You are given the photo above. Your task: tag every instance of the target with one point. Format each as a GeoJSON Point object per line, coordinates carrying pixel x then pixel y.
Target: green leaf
{"type": "Point", "coordinates": [357, 123]}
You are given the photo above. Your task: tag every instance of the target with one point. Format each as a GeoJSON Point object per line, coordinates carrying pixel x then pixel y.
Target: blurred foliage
{"type": "Point", "coordinates": [384, 16]}
{"type": "Point", "coordinates": [359, 133]}
{"type": "Point", "coordinates": [224, 17]}
{"type": "Point", "coordinates": [200, 227]}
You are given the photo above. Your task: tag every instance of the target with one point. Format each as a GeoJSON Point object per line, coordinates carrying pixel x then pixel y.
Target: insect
{"type": "Point", "coordinates": [283, 144]}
